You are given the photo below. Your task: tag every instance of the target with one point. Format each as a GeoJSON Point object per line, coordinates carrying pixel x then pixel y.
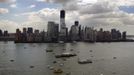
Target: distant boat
{"type": "Point", "coordinates": [61, 42]}
{"type": "Point", "coordinates": [74, 41]}
{"type": "Point", "coordinates": [71, 49]}
{"type": "Point", "coordinates": [84, 61]}
{"type": "Point", "coordinates": [51, 68]}
{"type": "Point", "coordinates": [64, 49]}
{"type": "Point", "coordinates": [66, 54]}
{"type": "Point", "coordinates": [25, 47]}
{"type": "Point", "coordinates": [58, 71]}
{"type": "Point", "coordinates": [49, 50]}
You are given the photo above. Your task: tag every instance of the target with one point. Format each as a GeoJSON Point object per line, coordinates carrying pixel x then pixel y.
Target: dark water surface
{"type": "Point", "coordinates": [32, 59]}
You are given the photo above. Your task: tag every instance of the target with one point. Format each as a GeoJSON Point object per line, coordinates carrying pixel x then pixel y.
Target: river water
{"type": "Point", "coordinates": [32, 59]}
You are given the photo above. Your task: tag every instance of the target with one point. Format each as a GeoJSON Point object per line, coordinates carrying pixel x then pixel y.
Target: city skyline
{"type": "Point", "coordinates": [106, 14]}
{"type": "Point", "coordinates": [60, 33]}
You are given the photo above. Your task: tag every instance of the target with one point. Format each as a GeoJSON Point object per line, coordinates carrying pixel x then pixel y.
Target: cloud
{"type": "Point", "coordinates": [71, 6]}
{"type": "Point", "coordinates": [45, 14]}
{"type": "Point", "coordinates": [40, 18]}
{"type": "Point", "coordinates": [57, 1]}
{"type": "Point", "coordinates": [3, 10]}
{"type": "Point", "coordinates": [62, 2]}
{"type": "Point", "coordinates": [41, 0]}
{"type": "Point", "coordinates": [13, 6]}
{"type": "Point", "coordinates": [100, 7]}
{"type": "Point", "coordinates": [32, 6]}
{"type": "Point", "coordinates": [120, 2]}
{"type": "Point", "coordinates": [83, 2]}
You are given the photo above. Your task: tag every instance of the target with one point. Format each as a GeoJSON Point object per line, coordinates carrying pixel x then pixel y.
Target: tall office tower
{"type": "Point", "coordinates": [124, 35]}
{"type": "Point", "coordinates": [24, 30]}
{"type": "Point", "coordinates": [76, 23]}
{"type": "Point", "coordinates": [24, 35]}
{"type": "Point", "coordinates": [56, 31]}
{"type": "Point", "coordinates": [6, 33]}
{"type": "Point", "coordinates": [50, 29]}
{"type": "Point", "coordinates": [53, 31]}
{"type": "Point", "coordinates": [1, 32]}
{"type": "Point", "coordinates": [18, 37]}
{"type": "Point", "coordinates": [30, 37]}
{"type": "Point", "coordinates": [62, 19]}
{"type": "Point", "coordinates": [30, 30]}
{"type": "Point", "coordinates": [74, 31]}
{"type": "Point", "coordinates": [63, 29]}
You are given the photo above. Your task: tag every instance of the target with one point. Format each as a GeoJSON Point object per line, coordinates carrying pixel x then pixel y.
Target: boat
{"type": "Point", "coordinates": [71, 49]}
{"type": "Point", "coordinates": [61, 42]}
{"type": "Point", "coordinates": [49, 50]}
{"type": "Point", "coordinates": [66, 54]}
{"type": "Point", "coordinates": [51, 68]}
{"type": "Point", "coordinates": [58, 71]}
{"type": "Point", "coordinates": [74, 41]}
{"type": "Point", "coordinates": [85, 61]}
{"type": "Point", "coordinates": [64, 49]}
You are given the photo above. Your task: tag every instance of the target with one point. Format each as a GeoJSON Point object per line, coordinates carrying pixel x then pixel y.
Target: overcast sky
{"type": "Point", "coordinates": [96, 13]}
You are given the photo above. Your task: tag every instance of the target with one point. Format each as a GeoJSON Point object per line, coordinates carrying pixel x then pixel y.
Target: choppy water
{"type": "Point", "coordinates": [16, 59]}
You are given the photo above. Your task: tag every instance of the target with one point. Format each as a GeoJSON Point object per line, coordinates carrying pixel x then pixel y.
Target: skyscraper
{"type": "Point", "coordinates": [1, 33]}
{"type": "Point", "coordinates": [76, 23]}
{"type": "Point", "coordinates": [53, 31]}
{"type": "Point", "coordinates": [24, 35]}
{"type": "Point", "coordinates": [74, 31]}
{"type": "Point", "coordinates": [62, 19]}
{"type": "Point", "coordinates": [30, 37]}
{"type": "Point", "coordinates": [30, 30]}
{"type": "Point", "coordinates": [124, 35]}
{"type": "Point", "coordinates": [63, 28]}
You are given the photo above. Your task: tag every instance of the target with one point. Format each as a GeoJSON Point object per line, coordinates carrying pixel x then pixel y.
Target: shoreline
{"type": "Point", "coordinates": [82, 41]}
{"type": "Point", "coordinates": [128, 40]}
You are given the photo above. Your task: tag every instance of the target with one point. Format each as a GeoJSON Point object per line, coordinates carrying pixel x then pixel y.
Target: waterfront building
{"type": "Point", "coordinates": [119, 35]}
{"type": "Point", "coordinates": [80, 33]}
{"type": "Point", "coordinates": [6, 33]}
{"type": "Point", "coordinates": [114, 34]}
{"type": "Point", "coordinates": [43, 33]}
{"type": "Point", "coordinates": [30, 36]}
{"type": "Point", "coordinates": [89, 34]}
{"type": "Point", "coordinates": [53, 31]}
{"type": "Point", "coordinates": [24, 35]}
{"type": "Point", "coordinates": [1, 33]}
{"type": "Point", "coordinates": [37, 36]}
{"type": "Point", "coordinates": [100, 35]}
{"type": "Point", "coordinates": [124, 35]}
{"type": "Point", "coordinates": [18, 36]}
{"type": "Point", "coordinates": [106, 36]}
{"type": "Point", "coordinates": [30, 30]}
{"type": "Point", "coordinates": [74, 31]}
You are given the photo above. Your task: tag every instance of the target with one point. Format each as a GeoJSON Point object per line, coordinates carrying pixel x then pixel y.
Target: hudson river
{"type": "Point", "coordinates": [32, 59]}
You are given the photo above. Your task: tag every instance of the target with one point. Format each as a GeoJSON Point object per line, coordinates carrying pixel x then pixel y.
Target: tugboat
{"type": "Point", "coordinates": [85, 61]}
{"type": "Point", "coordinates": [58, 71]}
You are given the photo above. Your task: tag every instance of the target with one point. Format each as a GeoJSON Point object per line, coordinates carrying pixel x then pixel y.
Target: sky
{"type": "Point", "coordinates": [105, 14]}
